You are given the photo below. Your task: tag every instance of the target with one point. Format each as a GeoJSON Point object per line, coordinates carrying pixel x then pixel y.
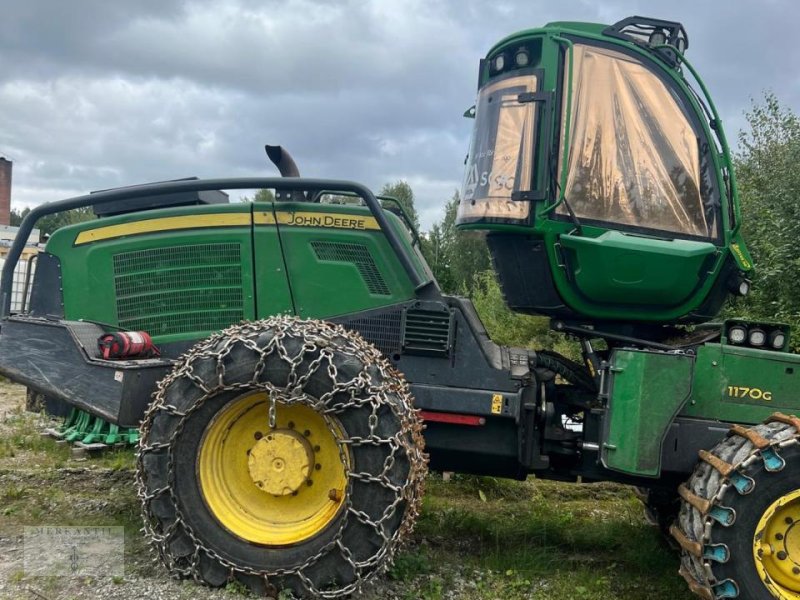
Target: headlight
{"type": "Point", "coordinates": [757, 337]}
{"type": "Point", "coordinates": [658, 38]}
{"type": "Point", "coordinates": [737, 334]}
{"type": "Point", "coordinates": [499, 62]}
{"type": "Point", "coordinates": [777, 339]}
{"type": "Point", "coordinates": [744, 287]}
{"type": "Point", "coordinates": [522, 58]}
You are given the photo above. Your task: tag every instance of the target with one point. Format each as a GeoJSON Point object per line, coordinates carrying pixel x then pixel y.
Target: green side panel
{"type": "Point", "coordinates": [743, 385]}
{"type": "Point", "coordinates": [619, 268]}
{"type": "Point", "coordinates": [335, 266]}
{"type": "Point", "coordinates": [273, 295]}
{"type": "Point", "coordinates": [647, 390]}
{"type": "Point", "coordinates": [176, 284]}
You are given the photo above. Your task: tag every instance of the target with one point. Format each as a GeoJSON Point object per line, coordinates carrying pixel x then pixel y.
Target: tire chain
{"type": "Point", "coordinates": [702, 509]}
{"type": "Point", "coordinates": [321, 338]}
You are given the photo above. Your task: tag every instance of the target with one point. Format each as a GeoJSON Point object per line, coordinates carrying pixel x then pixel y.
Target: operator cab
{"type": "Point", "coordinates": [604, 181]}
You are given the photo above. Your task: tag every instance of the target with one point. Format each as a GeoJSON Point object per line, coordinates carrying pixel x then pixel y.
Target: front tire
{"type": "Point", "coordinates": [284, 454]}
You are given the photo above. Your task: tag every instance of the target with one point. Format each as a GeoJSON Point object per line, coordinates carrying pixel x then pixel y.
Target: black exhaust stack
{"type": "Point", "coordinates": [281, 158]}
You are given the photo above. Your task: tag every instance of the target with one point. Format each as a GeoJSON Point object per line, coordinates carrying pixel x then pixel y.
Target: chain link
{"type": "Point", "coordinates": [375, 387]}
{"type": "Point", "coordinates": [273, 410]}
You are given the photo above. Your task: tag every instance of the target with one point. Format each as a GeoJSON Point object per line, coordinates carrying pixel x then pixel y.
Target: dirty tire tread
{"type": "Point", "coordinates": [709, 578]}
{"type": "Point", "coordinates": [254, 355]}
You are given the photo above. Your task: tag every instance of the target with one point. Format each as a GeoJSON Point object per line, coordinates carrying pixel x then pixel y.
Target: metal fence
{"type": "Point", "coordinates": [23, 276]}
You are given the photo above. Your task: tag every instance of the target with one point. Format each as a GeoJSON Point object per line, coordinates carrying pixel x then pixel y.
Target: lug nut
{"type": "Point", "coordinates": [309, 482]}
{"type": "Point", "coordinates": [317, 466]}
{"type": "Point", "coordinates": [778, 536]}
{"type": "Point", "coordinates": [782, 555]}
{"type": "Point", "coordinates": [316, 448]}
{"type": "Point", "coordinates": [306, 433]}
{"type": "Point", "coordinates": [796, 570]}
{"type": "Point", "coordinates": [258, 435]}
{"type": "Point", "coordinates": [290, 424]}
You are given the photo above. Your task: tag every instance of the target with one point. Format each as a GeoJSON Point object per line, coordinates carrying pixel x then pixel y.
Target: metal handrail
{"type": "Point", "coordinates": [199, 185]}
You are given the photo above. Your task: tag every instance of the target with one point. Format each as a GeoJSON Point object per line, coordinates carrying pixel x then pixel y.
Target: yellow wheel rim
{"type": "Point", "coordinates": [776, 547]}
{"type": "Point", "coordinates": [273, 487]}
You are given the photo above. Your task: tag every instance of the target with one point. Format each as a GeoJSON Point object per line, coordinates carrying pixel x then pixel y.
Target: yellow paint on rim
{"type": "Point", "coordinates": [776, 547]}
{"type": "Point", "coordinates": [163, 224]}
{"type": "Point", "coordinates": [299, 467]}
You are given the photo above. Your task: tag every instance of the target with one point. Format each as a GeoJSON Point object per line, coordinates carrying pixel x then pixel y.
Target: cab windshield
{"type": "Point", "coordinates": [635, 156]}
{"type": "Point", "coordinates": [500, 155]}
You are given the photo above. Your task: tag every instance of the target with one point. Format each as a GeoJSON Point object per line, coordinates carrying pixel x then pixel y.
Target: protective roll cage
{"type": "Point", "coordinates": [312, 187]}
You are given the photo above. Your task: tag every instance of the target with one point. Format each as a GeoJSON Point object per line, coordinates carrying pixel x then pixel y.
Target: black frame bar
{"type": "Point", "coordinates": [199, 185]}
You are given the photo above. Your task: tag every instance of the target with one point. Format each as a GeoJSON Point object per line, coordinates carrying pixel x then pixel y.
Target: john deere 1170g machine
{"type": "Point", "coordinates": [280, 444]}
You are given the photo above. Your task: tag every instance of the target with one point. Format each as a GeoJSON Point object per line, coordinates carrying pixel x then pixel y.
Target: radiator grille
{"type": "Point", "coordinates": [427, 332]}
{"type": "Point", "coordinates": [179, 289]}
{"type": "Point", "coordinates": [382, 330]}
{"type": "Point", "coordinates": [359, 255]}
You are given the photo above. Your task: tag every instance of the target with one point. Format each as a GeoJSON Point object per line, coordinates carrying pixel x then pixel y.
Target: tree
{"type": "Point", "coordinates": [456, 256]}
{"type": "Point", "coordinates": [48, 224]}
{"type": "Point", "coordinates": [402, 192]}
{"type": "Point", "coordinates": [260, 196]}
{"type": "Point", "coordinates": [769, 184]}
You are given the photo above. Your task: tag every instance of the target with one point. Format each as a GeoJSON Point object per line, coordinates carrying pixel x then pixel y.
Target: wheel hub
{"type": "Point", "coordinates": [273, 487]}
{"type": "Point", "coordinates": [280, 462]}
{"type": "Point", "coordinates": [776, 546]}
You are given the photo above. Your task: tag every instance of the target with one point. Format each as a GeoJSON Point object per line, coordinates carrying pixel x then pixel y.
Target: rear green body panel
{"type": "Point", "coordinates": [332, 271]}
{"type": "Point", "coordinates": [647, 391]}
{"type": "Point", "coordinates": [183, 273]}
{"type": "Point", "coordinates": [743, 385]}
{"type": "Point", "coordinates": [721, 382]}
{"type": "Point", "coordinates": [206, 276]}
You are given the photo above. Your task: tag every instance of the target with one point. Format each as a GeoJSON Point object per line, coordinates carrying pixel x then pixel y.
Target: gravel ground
{"type": "Point", "coordinates": [478, 538]}
{"type": "Point", "coordinates": [42, 483]}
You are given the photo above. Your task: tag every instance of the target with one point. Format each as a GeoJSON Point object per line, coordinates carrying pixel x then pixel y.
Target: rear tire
{"type": "Point", "coordinates": [215, 513]}
{"type": "Point", "coordinates": [728, 507]}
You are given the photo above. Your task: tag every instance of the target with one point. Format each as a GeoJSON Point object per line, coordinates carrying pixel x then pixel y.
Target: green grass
{"type": "Point", "coordinates": [22, 433]}
{"type": "Point", "coordinates": [478, 538]}
{"type": "Point", "coordinates": [537, 539]}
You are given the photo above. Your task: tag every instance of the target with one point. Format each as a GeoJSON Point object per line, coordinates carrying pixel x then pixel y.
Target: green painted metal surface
{"type": "Point", "coordinates": [647, 391]}
{"type": "Point", "coordinates": [177, 284]}
{"type": "Point", "coordinates": [627, 269]}
{"type": "Point", "coordinates": [80, 426]}
{"type": "Point", "coordinates": [743, 385]}
{"type": "Point", "coordinates": [335, 270]}
{"type": "Point", "coordinates": [183, 273]}
{"type": "Point", "coordinates": [604, 294]}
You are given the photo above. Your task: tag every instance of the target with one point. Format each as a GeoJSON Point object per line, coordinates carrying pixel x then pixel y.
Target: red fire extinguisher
{"type": "Point", "coordinates": [126, 344]}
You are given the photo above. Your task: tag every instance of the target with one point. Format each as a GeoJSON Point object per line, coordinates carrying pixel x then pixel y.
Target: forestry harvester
{"type": "Point", "coordinates": [279, 358]}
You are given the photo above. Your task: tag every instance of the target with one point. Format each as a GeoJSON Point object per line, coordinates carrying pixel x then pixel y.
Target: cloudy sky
{"type": "Point", "coordinates": [98, 93]}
